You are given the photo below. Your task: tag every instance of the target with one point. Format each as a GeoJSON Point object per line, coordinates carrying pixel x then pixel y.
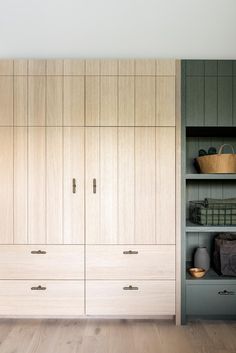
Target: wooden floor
{"type": "Point", "coordinates": [115, 336]}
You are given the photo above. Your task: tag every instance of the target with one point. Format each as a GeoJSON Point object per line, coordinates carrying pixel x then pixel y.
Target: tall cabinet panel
{"type": "Point", "coordinates": [36, 185]}
{"type": "Point", "coordinates": [73, 197]}
{"type": "Point", "coordinates": [54, 183]}
{"type": "Point", "coordinates": [145, 186]}
{"type": "Point", "coordinates": [20, 185]}
{"type": "Point", "coordinates": [6, 182]}
{"type": "Point", "coordinates": [165, 185]}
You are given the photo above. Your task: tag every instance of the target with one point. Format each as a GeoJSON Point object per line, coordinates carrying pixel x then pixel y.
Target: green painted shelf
{"type": "Point", "coordinates": [197, 228]}
{"type": "Point", "coordinates": [210, 276]}
{"type": "Point", "coordinates": [195, 176]}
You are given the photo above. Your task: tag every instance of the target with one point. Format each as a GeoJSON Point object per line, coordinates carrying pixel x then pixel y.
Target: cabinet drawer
{"type": "Point", "coordinates": [211, 299]}
{"type": "Point", "coordinates": [53, 298]}
{"type": "Point", "coordinates": [41, 261]}
{"type": "Point", "coordinates": [131, 262]}
{"type": "Point", "coordinates": [118, 298]}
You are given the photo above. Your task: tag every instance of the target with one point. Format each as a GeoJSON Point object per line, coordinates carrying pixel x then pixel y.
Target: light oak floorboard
{"type": "Point", "coordinates": [115, 336]}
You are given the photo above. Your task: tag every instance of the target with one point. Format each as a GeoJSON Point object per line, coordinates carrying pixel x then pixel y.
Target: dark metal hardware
{"type": "Point", "coordinates": [94, 186]}
{"type": "Point", "coordinates": [38, 252]}
{"type": "Point", "coordinates": [130, 288]}
{"type": "Point", "coordinates": [226, 292]}
{"type": "Point", "coordinates": [38, 288]}
{"type": "Point", "coordinates": [74, 186]}
{"type": "Point", "coordinates": [130, 252]}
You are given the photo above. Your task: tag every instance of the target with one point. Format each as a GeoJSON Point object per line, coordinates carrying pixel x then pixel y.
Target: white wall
{"type": "Point", "coordinates": [118, 28]}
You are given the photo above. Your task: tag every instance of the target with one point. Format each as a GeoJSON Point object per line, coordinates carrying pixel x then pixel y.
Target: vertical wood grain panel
{"type": "Point", "coordinates": [126, 67]}
{"type": "Point", "coordinates": [36, 100]}
{"type": "Point", "coordinates": [145, 185]}
{"type": "Point", "coordinates": [145, 101]}
{"type": "Point", "coordinates": [37, 67]}
{"type": "Point", "coordinates": [73, 202]}
{"type": "Point", "coordinates": [211, 101]}
{"type": "Point", "coordinates": [109, 67]}
{"type": "Point", "coordinates": [20, 185]}
{"type": "Point", "coordinates": [20, 101]}
{"type": "Point", "coordinates": [55, 67]}
{"type": "Point", "coordinates": [108, 102]}
{"type": "Point", "coordinates": [165, 67]}
{"type": "Point", "coordinates": [194, 101]}
{"type": "Point", "coordinates": [165, 101]}
{"type": "Point", "coordinates": [126, 186]}
{"type": "Point", "coordinates": [165, 185]}
{"type": "Point", "coordinates": [36, 185]}
{"type": "Point", "coordinates": [92, 151]}
{"type": "Point", "coordinates": [6, 67]}
{"type": "Point", "coordinates": [92, 67]}
{"type": "Point", "coordinates": [6, 100]}
{"type": "Point", "coordinates": [74, 101]}
{"type": "Point", "coordinates": [6, 185]}
{"type": "Point", "coordinates": [145, 67]}
{"type": "Point", "coordinates": [54, 215]}
{"type": "Point", "coordinates": [74, 67]}
{"type": "Point", "coordinates": [126, 101]}
{"type": "Point", "coordinates": [108, 185]}
{"type": "Point", "coordinates": [20, 67]}
{"type": "Point", "coordinates": [54, 101]}
{"type": "Point", "coordinates": [92, 100]}
{"type": "Point", "coordinates": [225, 103]}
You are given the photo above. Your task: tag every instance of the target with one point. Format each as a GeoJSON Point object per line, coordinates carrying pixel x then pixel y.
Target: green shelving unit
{"type": "Point", "coordinates": [208, 119]}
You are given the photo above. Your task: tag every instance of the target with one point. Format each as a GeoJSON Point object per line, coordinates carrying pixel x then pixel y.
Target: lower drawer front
{"type": "Point", "coordinates": [42, 262]}
{"type": "Point", "coordinates": [52, 298]}
{"type": "Point", "coordinates": [118, 298]}
{"type": "Point", "coordinates": [211, 299]}
{"type": "Point", "coordinates": [108, 262]}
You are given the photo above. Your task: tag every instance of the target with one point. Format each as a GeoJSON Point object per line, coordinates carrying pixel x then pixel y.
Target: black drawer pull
{"type": "Point", "coordinates": [38, 252]}
{"type": "Point", "coordinates": [130, 288]}
{"type": "Point", "coordinates": [226, 292]}
{"type": "Point", "coordinates": [130, 252]}
{"type": "Point", "coordinates": [38, 288]}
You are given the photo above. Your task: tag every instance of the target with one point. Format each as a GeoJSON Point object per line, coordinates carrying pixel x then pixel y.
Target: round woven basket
{"type": "Point", "coordinates": [223, 163]}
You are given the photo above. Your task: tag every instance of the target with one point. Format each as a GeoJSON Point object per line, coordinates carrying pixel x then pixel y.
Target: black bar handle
{"type": "Point", "coordinates": [38, 252]}
{"type": "Point", "coordinates": [130, 288]}
{"type": "Point", "coordinates": [226, 292]}
{"type": "Point", "coordinates": [38, 288]}
{"type": "Point", "coordinates": [94, 186]}
{"type": "Point", "coordinates": [130, 252]}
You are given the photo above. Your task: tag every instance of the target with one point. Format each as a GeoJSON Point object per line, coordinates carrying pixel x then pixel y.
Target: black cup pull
{"type": "Point", "coordinates": [38, 288]}
{"type": "Point", "coordinates": [130, 288]}
{"type": "Point", "coordinates": [226, 292]}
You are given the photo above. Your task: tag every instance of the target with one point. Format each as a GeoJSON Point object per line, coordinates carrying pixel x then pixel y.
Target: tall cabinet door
{"type": "Point", "coordinates": [73, 185]}
{"type": "Point", "coordinates": [101, 185]}
{"type": "Point", "coordinates": [130, 185]}
{"type": "Point", "coordinates": [6, 185]}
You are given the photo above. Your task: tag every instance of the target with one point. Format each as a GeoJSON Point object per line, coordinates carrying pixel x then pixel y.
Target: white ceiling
{"type": "Point", "coordinates": [118, 28]}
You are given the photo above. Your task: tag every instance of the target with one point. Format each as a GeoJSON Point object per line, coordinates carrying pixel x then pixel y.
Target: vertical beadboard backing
{"type": "Point", "coordinates": [210, 87]}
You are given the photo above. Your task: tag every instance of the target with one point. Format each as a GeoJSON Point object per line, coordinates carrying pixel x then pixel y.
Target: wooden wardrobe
{"type": "Point", "coordinates": [88, 187]}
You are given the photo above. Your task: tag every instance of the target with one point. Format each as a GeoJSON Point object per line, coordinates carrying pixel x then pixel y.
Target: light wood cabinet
{"type": "Point", "coordinates": [41, 298]}
{"type": "Point", "coordinates": [130, 297]}
{"type": "Point", "coordinates": [129, 167]}
{"type": "Point", "coordinates": [6, 101]}
{"type": "Point", "coordinates": [73, 189]}
{"type": "Point", "coordinates": [52, 262]}
{"type": "Point", "coordinates": [6, 183]}
{"type": "Point", "coordinates": [109, 262]}
{"type": "Point", "coordinates": [87, 175]}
